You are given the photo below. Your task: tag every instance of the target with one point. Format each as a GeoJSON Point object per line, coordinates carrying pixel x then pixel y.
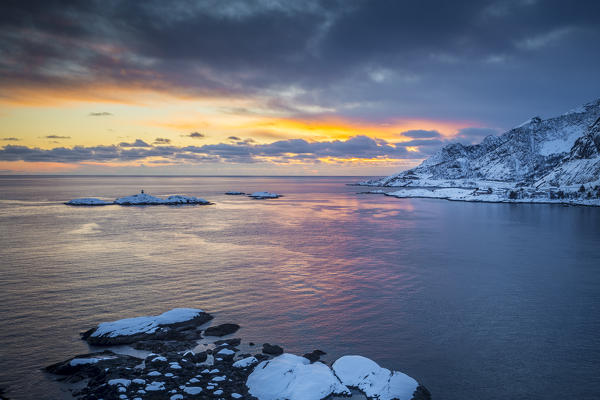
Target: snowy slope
{"type": "Point", "coordinates": [555, 155]}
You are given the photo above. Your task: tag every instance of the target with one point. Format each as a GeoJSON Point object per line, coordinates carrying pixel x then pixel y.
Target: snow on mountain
{"type": "Point", "coordinates": [557, 159]}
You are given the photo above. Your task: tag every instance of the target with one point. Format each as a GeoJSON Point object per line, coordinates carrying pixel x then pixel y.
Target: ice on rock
{"type": "Point", "coordinates": [155, 386]}
{"type": "Point", "coordinates": [293, 377]}
{"type": "Point", "coordinates": [82, 361]}
{"type": "Point", "coordinates": [374, 381]}
{"type": "Point", "coordinates": [120, 382]}
{"type": "Point", "coordinates": [218, 392]}
{"type": "Point", "coordinates": [264, 195]}
{"type": "Point", "coordinates": [176, 397]}
{"type": "Point", "coordinates": [226, 352]}
{"type": "Point", "coordinates": [154, 373]}
{"type": "Point", "coordinates": [193, 390]}
{"type": "Point", "coordinates": [236, 395]}
{"type": "Point", "coordinates": [88, 201]}
{"type": "Point", "coordinates": [245, 362]}
{"type": "Point", "coordinates": [137, 325]}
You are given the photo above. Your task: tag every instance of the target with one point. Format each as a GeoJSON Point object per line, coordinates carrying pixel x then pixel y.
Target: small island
{"type": "Point", "coordinates": [140, 199]}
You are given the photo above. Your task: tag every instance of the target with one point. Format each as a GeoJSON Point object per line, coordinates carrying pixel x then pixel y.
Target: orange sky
{"type": "Point", "coordinates": [50, 118]}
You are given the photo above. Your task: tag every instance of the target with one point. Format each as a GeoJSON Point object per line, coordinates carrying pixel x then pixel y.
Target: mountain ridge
{"type": "Point", "coordinates": [539, 158]}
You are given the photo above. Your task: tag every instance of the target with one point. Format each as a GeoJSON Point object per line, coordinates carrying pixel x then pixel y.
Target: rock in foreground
{"type": "Point", "coordinates": [130, 330]}
{"type": "Point", "coordinates": [376, 382]}
{"type": "Point", "coordinates": [216, 369]}
{"type": "Point", "coordinates": [293, 377]}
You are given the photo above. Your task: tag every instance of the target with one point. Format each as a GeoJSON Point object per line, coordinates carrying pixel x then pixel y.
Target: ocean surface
{"type": "Point", "coordinates": [475, 301]}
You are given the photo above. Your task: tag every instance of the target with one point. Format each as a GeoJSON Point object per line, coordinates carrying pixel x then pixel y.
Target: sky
{"type": "Point", "coordinates": [269, 87]}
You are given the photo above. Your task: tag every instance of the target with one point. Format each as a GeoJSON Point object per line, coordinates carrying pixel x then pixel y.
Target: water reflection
{"type": "Point", "coordinates": [465, 297]}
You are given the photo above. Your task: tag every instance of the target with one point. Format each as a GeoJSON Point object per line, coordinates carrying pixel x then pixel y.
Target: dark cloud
{"type": "Point", "coordinates": [100, 114]}
{"type": "Point", "coordinates": [137, 143]}
{"type": "Point", "coordinates": [421, 134]}
{"type": "Point", "coordinates": [491, 61]}
{"type": "Point", "coordinates": [234, 138]}
{"type": "Point", "coordinates": [57, 137]}
{"type": "Point", "coordinates": [11, 139]}
{"type": "Point", "coordinates": [162, 141]}
{"type": "Point", "coordinates": [358, 147]}
{"type": "Point", "coordinates": [195, 135]}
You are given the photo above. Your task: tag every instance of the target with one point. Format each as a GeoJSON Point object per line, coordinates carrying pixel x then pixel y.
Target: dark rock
{"type": "Point", "coordinates": [251, 344]}
{"type": "Point", "coordinates": [2, 394]}
{"type": "Point", "coordinates": [196, 357]}
{"type": "Point", "coordinates": [229, 342]}
{"type": "Point", "coordinates": [78, 371]}
{"type": "Point", "coordinates": [159, 346]}
{"type": "Point", "coordinates": [272, 349]}
{"type": "Point", "coordinates": [314, 356]}
{"type": "Point", "coordinates": [221, 330]}
{"type": "Point", "coordinates": [421, 393]}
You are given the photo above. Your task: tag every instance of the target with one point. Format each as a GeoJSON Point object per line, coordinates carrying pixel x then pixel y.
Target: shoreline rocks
{"type": "Point", "coordinates": [190, 369]}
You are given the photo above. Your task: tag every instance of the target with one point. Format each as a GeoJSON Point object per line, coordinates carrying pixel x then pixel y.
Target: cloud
{"type": "Point", "coordinates": [357, 147]}
{"type": "Point", "coordinates": [11, 139]}
{"type": "Point", "coordinates": [295, 58]}
{"type": "Point", "coordinates": [57, 137]}
{"type": "Point", "coordinates": [162, 141]}
{"type": "Point", "coordinates": [100, 114]}
{"type": "Point", "coordinates": [235, 138]}
{"type": "Point", "coordinates": [195, 135]}
{"type": "Point", "coordinates": [421, 134]}
{"type": "Point", "coordinates": [137, 143]}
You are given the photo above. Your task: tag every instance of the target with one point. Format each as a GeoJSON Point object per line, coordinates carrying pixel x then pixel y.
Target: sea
{"type": "Point", "coordinates": [474, 300]}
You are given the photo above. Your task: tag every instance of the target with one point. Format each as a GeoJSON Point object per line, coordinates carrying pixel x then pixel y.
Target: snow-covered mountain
{"type": "Point", "coordinates": [549, 157]}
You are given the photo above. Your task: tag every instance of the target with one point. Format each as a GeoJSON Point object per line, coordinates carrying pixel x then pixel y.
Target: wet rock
{"type": "Point", "coordinates": [314, 355]}
{"type": "Point", "coordinates": [421, 393]}
{"type": "Point", "coordinates": [272, 349]}
{"type": "Point", "coordinates": [159, 346]}
{"type": "Point", "coordinates": [93, 364]}
{"type": "Point", "coordinates": [221, 330]}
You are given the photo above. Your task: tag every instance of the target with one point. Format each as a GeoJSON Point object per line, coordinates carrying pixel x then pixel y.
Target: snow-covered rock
{"type": "Point", "coordinates": [144, 199]}
{"type": "Point", "coordinates": [293, 377]}
{"type": "Point", "coordinates": [181, 199]}
{"type": "Point", "coordinates": [88, 201]}
{"type": "Point", "coordinates": [375, 382]}
{"type": "Point", "coordinates": [557, 154]}
{"type": "Point", "coordinates": [264, 195]}
{"type": "Point", "coordinates": [130, 330]}
{"type": "Point", "coordinates": [245, 362]}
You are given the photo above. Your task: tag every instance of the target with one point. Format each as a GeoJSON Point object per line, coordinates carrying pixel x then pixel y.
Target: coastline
{"type": "Point", "coordinates": [175, 355]}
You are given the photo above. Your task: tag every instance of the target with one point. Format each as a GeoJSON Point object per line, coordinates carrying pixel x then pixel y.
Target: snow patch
{"type": "Point", "coordinates": [374, 381]}
{"type": "Point", "coordinates": [293, 377]}
{"type": "Point", "coordinates": [137, 325]}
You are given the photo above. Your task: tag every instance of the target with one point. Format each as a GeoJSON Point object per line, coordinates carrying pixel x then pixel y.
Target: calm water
{"type": "Point", "coordinates": [476, 301]}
